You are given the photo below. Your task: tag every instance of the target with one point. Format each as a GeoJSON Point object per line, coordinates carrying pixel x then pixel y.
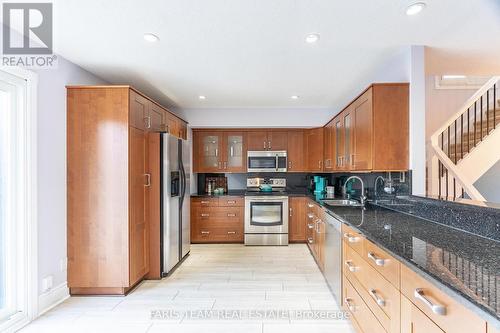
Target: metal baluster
{"type": "Point", "coordinates": [488, 112]}
{"type": "Point", "coordinates": [494, 106]}
{"type": "Point", "coordinates": [481, 135]}
{"type": "Point", "coordinates": [475, 125]}
{"type": "Point", "coordinates": [455, 127]}
{"type": "Point", "coordinates": [468, 130]}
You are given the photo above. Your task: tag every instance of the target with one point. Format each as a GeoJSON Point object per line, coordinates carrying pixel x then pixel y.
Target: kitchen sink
{"type": "Point", "coordinates": [342, 202]}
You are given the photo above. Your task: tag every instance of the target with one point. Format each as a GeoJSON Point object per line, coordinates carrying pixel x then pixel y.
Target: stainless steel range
{"type": "Point", "coordinates": [266, 212]}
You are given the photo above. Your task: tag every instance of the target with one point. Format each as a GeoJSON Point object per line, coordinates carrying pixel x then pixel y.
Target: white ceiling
{"type": "Point", "coordinates": [252, 54]}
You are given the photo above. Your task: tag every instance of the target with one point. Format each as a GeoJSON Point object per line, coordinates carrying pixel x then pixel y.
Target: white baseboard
{"type": "Point", "coordinates": [52, 298]}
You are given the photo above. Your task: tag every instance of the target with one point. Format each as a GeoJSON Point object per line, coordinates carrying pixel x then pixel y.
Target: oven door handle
{"type": "Point", "coordinates": [277, 163]}
{"type": "Point", "coordinates": [264, 199]}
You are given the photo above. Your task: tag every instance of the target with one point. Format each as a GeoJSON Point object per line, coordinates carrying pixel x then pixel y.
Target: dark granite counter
{"type": "Point", "coordinates": [464, 265]}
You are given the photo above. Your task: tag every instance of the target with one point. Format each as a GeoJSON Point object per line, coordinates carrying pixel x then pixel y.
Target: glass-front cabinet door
{"type": "Point", "coordinates": [235, 152]}
{"type": "Point", "coordinates": [210, 154]}
{"type": "Point", "coordinates": [339, 148]}
{"type": "Point", "coordinates": [347, 140]}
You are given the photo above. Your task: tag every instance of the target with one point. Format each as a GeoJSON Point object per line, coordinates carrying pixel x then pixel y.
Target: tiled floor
{"type": "Point", "coordinates": [228, 280]}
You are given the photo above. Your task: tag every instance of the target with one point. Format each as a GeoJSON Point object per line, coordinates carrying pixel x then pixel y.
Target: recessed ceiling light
{"type": "Point", "coordinates": [149, 37]}
{"type": "Point", "coordinates": [415, 8]}
{"type": "Point", "coordinates": [202, 97]}
{"type": "Point", "coordinates": [453, 77]}
{"type": "Point", "coordinates": [294, 97]}
{"type": "Point", "coordinates": [312, 38]}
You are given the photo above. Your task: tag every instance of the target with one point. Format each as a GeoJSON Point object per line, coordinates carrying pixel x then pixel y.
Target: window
{"type": "Point", "coordinates": [17, 186]}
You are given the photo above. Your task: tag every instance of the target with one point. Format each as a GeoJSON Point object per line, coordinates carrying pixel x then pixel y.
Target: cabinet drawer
{"type": "Point", "coordinates": [204, 202]}
{"type": "Point", "coordinates": [447, 313]}
{"type": "Point", "coordinates": [353, 303]}
{"type": "Point", "coordinates": [217, 234]}
{"type": "Point", "coordinates": [353, 239]}
{"type": "Point", "coordinates": [380, 296]}
{"type": "Point", "coordinates": [231, 202]}
{"type": "Point", "coordinates": [222, 215]}
{"type": "Point", "coordinates": [382, 262]}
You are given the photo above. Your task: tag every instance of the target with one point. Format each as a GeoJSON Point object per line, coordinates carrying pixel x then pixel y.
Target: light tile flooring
{"type": "Point", "coordinates": [225, 279]}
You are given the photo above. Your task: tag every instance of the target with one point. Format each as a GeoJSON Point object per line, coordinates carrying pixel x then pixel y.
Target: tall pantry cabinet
{"type": "Point", "coordinates": [109, 181]}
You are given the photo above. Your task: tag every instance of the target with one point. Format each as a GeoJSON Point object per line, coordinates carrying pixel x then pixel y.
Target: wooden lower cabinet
{"type": "Point", "coordinates": [297, 220]}
{"type": "Point", "coordinates": [217, 220]}
{"type": "Point", "coordinates": [315, 231]}
{"type": "Point", "coordinates": [382, 294]}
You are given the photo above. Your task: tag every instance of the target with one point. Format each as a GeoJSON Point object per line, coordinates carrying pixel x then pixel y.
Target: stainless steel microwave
{"type": "Point", "coordinates": [267, 161]}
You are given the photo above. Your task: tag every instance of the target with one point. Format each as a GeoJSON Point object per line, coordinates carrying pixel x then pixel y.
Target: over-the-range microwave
{"type": "Point", "coordinates": [267, 161]}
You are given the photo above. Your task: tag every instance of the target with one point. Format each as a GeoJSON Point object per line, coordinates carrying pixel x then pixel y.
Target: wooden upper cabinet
{"type": "Point", "coordinates": [362, 156]}
{"type": "Point", "coordinates": [257, 140]}
{"type": "Point", "coordinates": [156, 120]}
{"type": "Point", "coordinates": [338, 144]}
{"type": "Point", "coordinates": [296, 151]}
{"type": "Point", "coordinates": [314, 142]}
{"type": "Point", "coordinates": [139, 110]}
{"type": "Point", "coordinates": [347, 117]}
{"type": "Point", "coordinates": [183, 129]}
{"type": "Point", "coordinates": [235, 151]}
{"type": "Point", "coordinates": [277, 140]}
{"type": "Point", "coordinates": [209, 151]}
{"type": "Point", "coordinates": [329, 146]}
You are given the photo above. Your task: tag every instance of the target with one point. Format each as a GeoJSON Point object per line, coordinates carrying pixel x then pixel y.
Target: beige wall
{"type": "Point", "coordinates": [441, 104]}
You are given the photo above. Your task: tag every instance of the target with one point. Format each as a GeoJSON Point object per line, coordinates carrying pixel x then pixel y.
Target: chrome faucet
{"type": "Point", "coordinates": [362, 197]}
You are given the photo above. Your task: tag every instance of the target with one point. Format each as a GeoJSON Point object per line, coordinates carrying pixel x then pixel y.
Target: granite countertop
{"type": "Point", "coordinates": [464, 265]}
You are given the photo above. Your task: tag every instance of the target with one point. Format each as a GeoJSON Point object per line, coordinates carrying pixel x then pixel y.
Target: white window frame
{"type": "Point", "coordinates": [28, 247]}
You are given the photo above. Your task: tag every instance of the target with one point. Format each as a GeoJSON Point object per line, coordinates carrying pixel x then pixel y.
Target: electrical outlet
{"type": "Point", "coordinates": [47, 283]}
{"type": "Point", "coordinates": [63, 264]}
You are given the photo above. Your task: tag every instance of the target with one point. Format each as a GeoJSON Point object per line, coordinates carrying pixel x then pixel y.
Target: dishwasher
{"type": "Point", "coordinates": [333, 256]}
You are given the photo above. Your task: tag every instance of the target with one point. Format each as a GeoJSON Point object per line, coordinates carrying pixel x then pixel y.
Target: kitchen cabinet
{"type": "Point", "coordinates": [217, 220]}
{"type": "Point", "coordinates": [217, 151]}
{"type": "Point", "coordinates": [415, 321]}
{"type": "Point", "coordinates": [314, 149]}
{"type": "Point", "coordinates": [329, 146]}
{"type": "Point", "coordinates": [297, 219]}
{"type": "Point", "coordinates": [362, 145]}
{"type": "Point", "coordinates": [315, 231]}
{"type": "Point", "coordinates": [296, 151]}
{"type": "Point", "coordinates": [110, 180]}
{"type": "Point", "coordinates": [267, 140]}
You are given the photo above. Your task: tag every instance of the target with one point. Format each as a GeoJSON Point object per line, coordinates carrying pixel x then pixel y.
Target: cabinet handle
{"type": "Point", "coordinates": [380, 301]}
{"type": "Point", "coordinates": [231, 151]}
{"type": "Point", "coordinates": [319, 164]}
{"type": "Point", "coordinates": [216, 152]}
{"type": "Point", "coordinates": [269, 144]}
{"type": "Point", "coordinates": [203, 202]}
{"type": "Point", "coordinates": [350, 306]}
{"type": "Point", "coordinates": [290, 212]}
{"type": "Point", "coordinates": [148, 180]}
{"type": "Point", "coordinates": [289, 164]}
{"type": "Point", "coordinates": [310, 216]}
{"type": "Point", "coordinates": [264, 144]}
{"type": "Point", "coordinates": [219, 164]}
{"type": "Point", "coordinates": [310, 205]}
{"type": "Point", "coordinates": [310, 240]}
{"type": "Point", "coordinates": [350, 238]}
{"type": "Point", "coordinates": [205, 215]}
{"type": "Point", "coordinates": [225, 165]}
{"type": "Point", "coordinates": [351, 266]}
{"type": "Point", "coordinates": [147, 122]}
{"type": "Point", "coordinates": [231, 232]}
{"type": "Point", "coordinates": [378, 261]}
{"type": "Point", "coordinates": [205, 232]}
{"type": "Point", "coordinates": [310, 226]}
{"type": "Point", "coordinates": [231, 215]}
{"type": "Point", "coordinates": [436, 308]}
{"type": "Point", "coordinates": [231, 202]}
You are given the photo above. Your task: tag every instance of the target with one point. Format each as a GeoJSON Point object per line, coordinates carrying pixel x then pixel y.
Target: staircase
{"type": "Point", "coordinates": [462, 135]}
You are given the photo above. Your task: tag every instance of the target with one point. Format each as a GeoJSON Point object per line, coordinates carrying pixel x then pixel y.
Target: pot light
{"type": "Point", "coordinates": [202, 97]}
{"type": "Point", "coordinates": [152, 38]}
{"type": "Point", "coordinates": [415, 8]}
{"type": "Point", "coordinates": [294, 97]}
{"type": "Point", "coordinates": [312, 38]}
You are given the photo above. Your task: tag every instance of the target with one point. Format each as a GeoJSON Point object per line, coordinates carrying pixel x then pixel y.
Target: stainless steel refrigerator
{"type": "Point", "coordinates": [175, 224]}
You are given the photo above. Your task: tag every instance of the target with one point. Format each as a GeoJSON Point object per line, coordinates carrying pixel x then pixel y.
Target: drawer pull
{"type": "Point", "coordinates": [205, 232]}
{"type": "Point", "coordinates": [310, 240]}
{"type": "Point", "coordinates": [350, 306]}
{"type": "Point", "coordinates": [436, 308]}
{"type": "Point", "coordinates": [231, 232]}
{"type": "Point", "coordinates": [351, 266]}
{"type": "Point", "coordinates": [205, 215]}
{"type": "Point", "coordinates": [310, 205]}
{"type": "Point", "coordinates": [205, 202]}
{"type": "Point", "coordinates": [310, 216]}
{"type": "Point", "coordinates": [350, 238]}
{"type": "Point", "coordinates": [380, 301]}
{"type": "Point", "coordinates": [310, 225]}
{"type": "Point", "coordinates": [231, 215]}
{"type": "Point", "coordinates": [231, 202]}
{"type": "Point", "coordinates": [378, 261]}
